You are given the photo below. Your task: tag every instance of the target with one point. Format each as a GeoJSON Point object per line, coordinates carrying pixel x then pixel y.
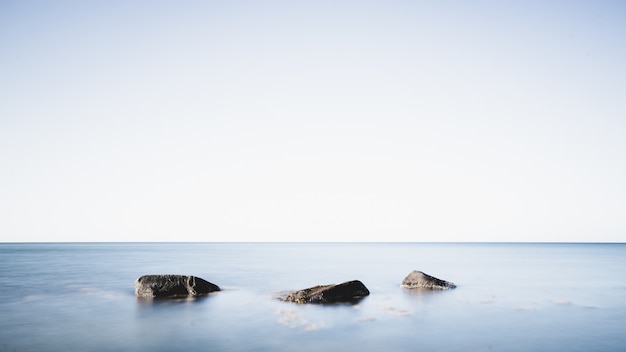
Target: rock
{"type": "Point", "coordinates": [349, 291]}
{"type": "Point", "coordinates": [417, 279]}
{"type": "Point", "coordinates": [160, 286]}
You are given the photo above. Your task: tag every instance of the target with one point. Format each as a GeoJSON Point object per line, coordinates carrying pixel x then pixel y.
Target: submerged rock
{"type": "Point", "coordinates": [161, 286]}
{"type": "Point", "coordinates": [349, 291]}
{"type": "Point", "coordinates": [417, 279]}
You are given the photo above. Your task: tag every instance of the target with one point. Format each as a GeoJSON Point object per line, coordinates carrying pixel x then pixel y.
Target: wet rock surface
{"type": "Point", "coordinates": [346, 292]}
{"type": "Point", "coordinates": [418, 279]}
{"type": "Point", "coordinates": [172, 286]}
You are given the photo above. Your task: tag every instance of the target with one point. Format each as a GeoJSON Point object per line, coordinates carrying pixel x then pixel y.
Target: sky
{"type": "Point", "coordinates": [313, 121]}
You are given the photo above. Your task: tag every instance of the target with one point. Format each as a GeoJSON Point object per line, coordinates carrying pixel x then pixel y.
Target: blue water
{"type": "Point", "coordinates": [510, 297]}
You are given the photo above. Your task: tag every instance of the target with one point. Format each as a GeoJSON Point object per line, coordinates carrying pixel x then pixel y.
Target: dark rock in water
{"type": "Point", "coordinates": [349, 291]}
{"type": "Point", "coordinates": [161, 286]}
{"type": "Point", "coordinates": [417, 279]}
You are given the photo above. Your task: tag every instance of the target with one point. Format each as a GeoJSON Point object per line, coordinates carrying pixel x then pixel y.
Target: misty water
{"type": "Point", "coordinates": [509, 297]}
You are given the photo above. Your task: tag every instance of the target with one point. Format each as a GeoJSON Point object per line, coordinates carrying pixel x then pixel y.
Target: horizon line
{"type": "Point", "coordinates": [316, 242]}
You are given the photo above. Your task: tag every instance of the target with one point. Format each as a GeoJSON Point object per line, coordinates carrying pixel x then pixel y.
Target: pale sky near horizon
{"type": "Point", "coordinates": [313, 121]}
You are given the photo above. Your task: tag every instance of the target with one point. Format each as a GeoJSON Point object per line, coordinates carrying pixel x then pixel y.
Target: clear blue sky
{"type": "Point", "coordinates": [312, 120]}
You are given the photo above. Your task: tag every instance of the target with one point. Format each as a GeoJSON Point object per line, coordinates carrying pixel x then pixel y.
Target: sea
{"type": "Point", "coordinates": [509, 297]}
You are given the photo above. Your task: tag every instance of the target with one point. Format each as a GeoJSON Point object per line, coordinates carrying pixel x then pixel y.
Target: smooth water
{"type": "Point", "coordinates": [510, 297]}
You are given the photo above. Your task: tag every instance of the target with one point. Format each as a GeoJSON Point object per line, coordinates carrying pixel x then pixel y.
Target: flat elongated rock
{"type": "Point", "coordinates": [161, 286]}
{"type": "Point", "coordinates": [349, 291]}
{"type": "Point", "coordinates": [417, 279]}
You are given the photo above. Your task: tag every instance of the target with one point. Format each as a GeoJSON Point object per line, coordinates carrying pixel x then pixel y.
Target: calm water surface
{"type": "Point", "coordinates": [510, 297]}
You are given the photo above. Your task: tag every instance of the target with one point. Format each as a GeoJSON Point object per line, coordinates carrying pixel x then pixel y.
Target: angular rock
{"type": "Point", "coordinates": [349, 291]}
{"type": "Point", "coordinates": [417, 279]}
{"type": "Point", "coordinates": [161, 286]}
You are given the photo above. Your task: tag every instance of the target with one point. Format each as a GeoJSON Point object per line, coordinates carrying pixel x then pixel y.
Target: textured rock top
{"type": "Point", "coordinates": [344, 292]}
{"type": "Point", "coordinates": [418, 279]}
{"type": "Point", "coordinates": [160, 286]}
